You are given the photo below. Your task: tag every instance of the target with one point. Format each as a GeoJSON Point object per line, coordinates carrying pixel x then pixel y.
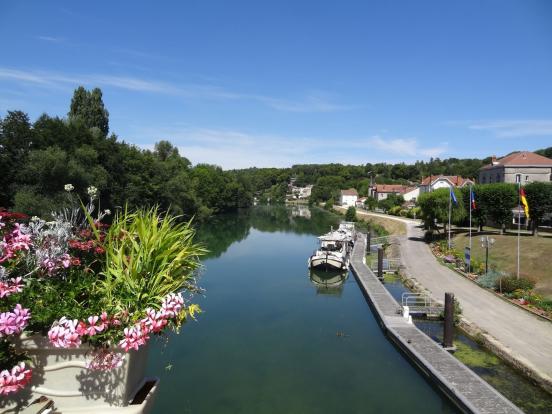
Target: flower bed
{"type": "Point", "coordinates": [82, 283]}
{"type": "Point", "coordinates": [517, 291]}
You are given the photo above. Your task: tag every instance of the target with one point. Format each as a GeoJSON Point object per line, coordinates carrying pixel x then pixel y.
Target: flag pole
{"type": "Point", "coordinates": [471, 203]}
{"type": "Point", "coordinates": [450, 208]}
{"type": "Point", "coordinates": [519, 224]}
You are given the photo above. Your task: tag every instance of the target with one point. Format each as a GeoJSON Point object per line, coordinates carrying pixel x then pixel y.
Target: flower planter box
{"type": "Point", "coordinates": [61, 375]}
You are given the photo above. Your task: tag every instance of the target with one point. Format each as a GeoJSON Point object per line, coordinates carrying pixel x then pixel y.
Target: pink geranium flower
{"type": "Point", "coordinates": [14, 322]}
{"type": "Point", "coordinates": [15, 379]}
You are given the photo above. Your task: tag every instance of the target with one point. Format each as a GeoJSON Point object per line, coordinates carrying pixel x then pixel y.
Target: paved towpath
{"type": "Point", "coordinates": [526, 338]}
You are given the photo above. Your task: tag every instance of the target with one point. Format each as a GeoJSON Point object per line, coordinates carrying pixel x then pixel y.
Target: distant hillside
{"type": "Point", "coordinates": [547, 152]}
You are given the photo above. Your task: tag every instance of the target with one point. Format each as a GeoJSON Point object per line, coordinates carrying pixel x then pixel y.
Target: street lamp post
{"type": "Point", "coordinates": [487, 242]}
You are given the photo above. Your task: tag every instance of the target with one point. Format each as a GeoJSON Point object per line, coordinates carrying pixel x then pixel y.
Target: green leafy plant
{"type": "Point", "coordinates": [509, 284]}
{"type": "Point", "coordinates": [147, 257]}
{"type": "Point", "coordinates": [350, 215]}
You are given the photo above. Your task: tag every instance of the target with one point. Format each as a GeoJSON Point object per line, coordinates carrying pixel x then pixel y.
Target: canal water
{"type": "Point", "coordinates": [274, 339]}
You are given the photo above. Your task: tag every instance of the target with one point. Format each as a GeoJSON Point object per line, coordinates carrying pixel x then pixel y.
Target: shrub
{"type": "Point", "coordinates": [509, 284]}
{"type": "Point", "coordinates": [350, 215]}
{"type": "Point", "coordinates": [403, 213]}
{"type": "Point", "coordinates": [490, 280]}
{"type": "Point", "coordinates": [395, 210]}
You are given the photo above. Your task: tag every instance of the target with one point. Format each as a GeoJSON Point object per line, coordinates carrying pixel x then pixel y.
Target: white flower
{"type": "Point", "coordinates": [92, 191]}
{"type": "Point", "coordinates": [36, 218]}
{"type": "Point", "coordinates": [69, 187]}
{"type": "Point", "coordinates": [107, 212]}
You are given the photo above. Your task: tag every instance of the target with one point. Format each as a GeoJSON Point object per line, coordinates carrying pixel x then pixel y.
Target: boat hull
{"type": "Point", "coordinates": [327, 263]}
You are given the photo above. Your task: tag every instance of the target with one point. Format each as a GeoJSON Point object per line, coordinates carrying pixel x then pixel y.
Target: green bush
{"type": "Point", "coordinates": [350, 215]}
{"type": "Point", "coordinates": [509, 284]}
{"type": "Point", "coordinates": [403, 213]}
{"type": "Point", "coordinates": [394, 211]}
{"type": "Point", "coordinates": [490, 280]}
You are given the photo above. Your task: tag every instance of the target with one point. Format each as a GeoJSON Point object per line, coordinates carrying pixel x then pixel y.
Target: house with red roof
{"type": "Point", "coordinates": [523, 166]}
{"type": "Point", "coordinates": [382, 191]}
{"type": "Point", "coordinates": [348, 197]}
{"type": "Point", "coordinates": [434, 182]}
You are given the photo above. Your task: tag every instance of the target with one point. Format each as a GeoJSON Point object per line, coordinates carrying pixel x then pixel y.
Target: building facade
{"type": "Point", "coordinates": [382, 191]}
{"type": "Point", "coordinates": [348, 197]}
{"type": "Point", "coordinates": [434, 182]}
{"type": "Point", "coordinates": [524, 167]}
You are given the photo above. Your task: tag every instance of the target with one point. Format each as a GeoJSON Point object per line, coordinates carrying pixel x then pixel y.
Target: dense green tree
{"type": "Point", "coordinates": [392, 200]}
{"type": "Point", "coordinates": [496, 202]}
{"type": "Point", "coordinates": [350, 215]}
{"type": "Point", "coordinates": [371, 203]}
{"type": "Point", "coordinates": [434, 208]}
{"type": "Point", "coordinates": [539, 198]}
{"type": "Point", "coordinates": [87, 107]}
{"type": "Point", "coordinates": [327, 187]}
{"type": "Point", "coordinates": [547, 152]}
{"type": "Point", "coordinates": [16, 138]}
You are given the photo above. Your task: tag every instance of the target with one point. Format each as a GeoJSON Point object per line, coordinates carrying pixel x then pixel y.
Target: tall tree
{"type": "Point", "coordinates": [15, 142]}
{"type": "Point", "coordinates": [539, 198]}
{"type": "Point", "coordinates": [88, 107]}
{"type": "Point", "coordinates": [497, 201]}
{"type": "Point", "coordinates": [435, 208]}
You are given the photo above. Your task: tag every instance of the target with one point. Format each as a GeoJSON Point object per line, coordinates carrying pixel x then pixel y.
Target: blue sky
{"type": "Point", "coordinates": [259, 83]}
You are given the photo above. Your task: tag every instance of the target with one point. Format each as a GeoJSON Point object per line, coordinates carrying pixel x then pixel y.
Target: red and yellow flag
{"type": "Point", "coordinates": [524, 201]}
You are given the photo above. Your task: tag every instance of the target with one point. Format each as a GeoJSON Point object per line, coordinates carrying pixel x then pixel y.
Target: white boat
{"type": "Point", "coordinates": [333, 253]}
{"type": "Point", "coordinates": [348, 228]}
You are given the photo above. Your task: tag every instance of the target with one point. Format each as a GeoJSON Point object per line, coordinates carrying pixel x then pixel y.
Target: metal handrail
{"type": "Point", "coordinates": [388, 264]}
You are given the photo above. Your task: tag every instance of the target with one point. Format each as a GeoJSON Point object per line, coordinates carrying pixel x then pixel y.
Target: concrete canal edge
{"type": "Point", "coordinates": [489, 342]}
{"type": "Point", "coordinates": [462, 386]}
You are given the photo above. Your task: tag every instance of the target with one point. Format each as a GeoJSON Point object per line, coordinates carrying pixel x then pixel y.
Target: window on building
{"type": "Point", "coordinates": [526, 178]}
{"type": "Point", "coordinates": [518, 178]}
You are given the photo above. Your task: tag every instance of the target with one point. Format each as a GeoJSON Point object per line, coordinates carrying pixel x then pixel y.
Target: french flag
{"type": "Point", "coordinates": [472, 199]}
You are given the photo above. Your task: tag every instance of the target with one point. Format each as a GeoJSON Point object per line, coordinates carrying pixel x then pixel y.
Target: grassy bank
{"type": "Point", "coordinates": [379, 227]}
{"type": "Point", "coordinates": [392, 227]}
{"type": "Point", "coordinates": [534, 252]}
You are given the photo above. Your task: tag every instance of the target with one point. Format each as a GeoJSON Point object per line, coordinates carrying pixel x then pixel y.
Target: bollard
{"type": "Point", "coordinates": [410, 320]}
{"type": "Point", "coordinates": [448, 328]}
{"type": "Point", "coordinates": [368, 242]}
{"type": "Point", "coordinates": [406, 312]}
{"type": "Point", "coordinates": [380, 263]}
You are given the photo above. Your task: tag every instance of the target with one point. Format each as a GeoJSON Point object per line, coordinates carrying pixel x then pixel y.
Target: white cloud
{"type": "Point", "coordinates": [311, 103]}
{"type": "Point", "coordinates": [236, 149]}
{"type": "Point", "coordinates": [408, 147]}
{"type": "Point", "coordinates": [51, 39]}
{"type": "Point", "coordinates": [515, 128]}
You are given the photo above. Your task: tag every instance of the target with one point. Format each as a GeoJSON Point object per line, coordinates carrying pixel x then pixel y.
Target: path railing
{"type": "Point", "coordinates": [420, 303]}
{"type": "Point", "coordinates": [389, 265]}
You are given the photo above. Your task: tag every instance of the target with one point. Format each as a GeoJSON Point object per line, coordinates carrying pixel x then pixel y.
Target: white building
{"type": "Point", "coordinates": [411, 194]}
{"type": "Point", "coordinates": [434, 182]}
{"type": "Point", "coordinates": [300, 192]}
{"type": "Point", "coordinates": [382, 191]}
{"type": "Point", "coordinates": [348, 197]}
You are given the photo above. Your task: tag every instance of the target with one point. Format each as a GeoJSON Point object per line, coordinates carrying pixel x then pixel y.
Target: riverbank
{"type": "Point", "coordinates": [393, 227]}
{"type": "Point", "coordinates": [519, 338]}
{"type": "Point", "coordinates": [463, 386]}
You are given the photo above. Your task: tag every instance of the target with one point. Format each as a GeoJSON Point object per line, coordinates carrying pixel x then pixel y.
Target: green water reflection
{"type": "Point", "coordinates": [274, 340]}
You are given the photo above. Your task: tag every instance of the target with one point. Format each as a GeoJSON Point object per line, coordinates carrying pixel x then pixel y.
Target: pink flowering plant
{"type": "Point", "coordinates": [82, 282]}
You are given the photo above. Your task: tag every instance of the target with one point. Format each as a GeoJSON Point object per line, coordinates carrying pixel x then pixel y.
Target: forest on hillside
{"type": "Point", "coordinates": [38, 158]}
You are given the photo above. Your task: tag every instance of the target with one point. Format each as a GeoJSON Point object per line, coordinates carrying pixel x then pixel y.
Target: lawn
{"type": "Point", "coordinates": [536, 255]}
